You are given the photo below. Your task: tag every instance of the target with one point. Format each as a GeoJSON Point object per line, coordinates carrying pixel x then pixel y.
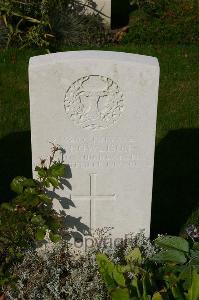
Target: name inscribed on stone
{"type": "Point", "coordinates": [104, 152]}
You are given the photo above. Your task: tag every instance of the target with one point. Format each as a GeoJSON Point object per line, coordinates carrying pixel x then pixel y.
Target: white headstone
{"type": "Point", "coordinates": [101, 108]}
{"type": "Point", "coordinates": [103, 8]}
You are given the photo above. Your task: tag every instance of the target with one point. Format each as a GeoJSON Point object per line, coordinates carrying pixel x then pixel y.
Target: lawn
{"type": "Point", "coordinates": [176, 172]}
{"type": "Point", "coordinates": [178, 98]}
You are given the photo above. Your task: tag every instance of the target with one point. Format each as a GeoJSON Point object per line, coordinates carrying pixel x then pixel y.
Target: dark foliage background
{"type": "Point", "coordinates": [164, 21]}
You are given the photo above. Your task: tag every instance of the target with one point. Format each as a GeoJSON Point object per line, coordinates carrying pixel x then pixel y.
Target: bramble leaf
{"type": "Point", "coordinates": [28, 182]}
{"type": "Point", "coordinates": [17, 184]}
{"type": "Point", "coordinates": [171, 255]}
{"type": "Point", "coordinates": [37, 220]}
{"type": "Point", "coordinates": [172, 242]}
{"type": "Point", "coordinates": [30, 191]}
{"type": "Point", "coordinates": [53, 181]}
{"type": "Point", "coordinates": [57, 170]}
{"type": "Point", "coordinates": [44, 198]}
{"type": "Point", "coordinates": [41, 171]}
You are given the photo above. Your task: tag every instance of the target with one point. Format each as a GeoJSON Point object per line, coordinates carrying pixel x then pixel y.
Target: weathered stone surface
{"type": "Point", "coordinates": [101, 108]}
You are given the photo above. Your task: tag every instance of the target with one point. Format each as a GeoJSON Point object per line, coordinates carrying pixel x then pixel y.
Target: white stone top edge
{"type": "Point", "coordinates": [92, 54]}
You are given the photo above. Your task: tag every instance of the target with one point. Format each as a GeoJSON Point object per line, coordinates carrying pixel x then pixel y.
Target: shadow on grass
{"type": "Point", "coordinates": [176, 181]}
{"type": "Point", "coordinates": [15, 160]}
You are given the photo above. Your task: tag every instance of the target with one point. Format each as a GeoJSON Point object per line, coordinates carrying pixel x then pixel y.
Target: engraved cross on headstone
{"type": "Point", "coordinates": [92, 197]}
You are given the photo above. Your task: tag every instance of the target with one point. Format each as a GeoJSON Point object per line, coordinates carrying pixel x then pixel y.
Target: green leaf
{"type": "Point", "coordinates": [54, 237]}
{"type": "Point", "coordinates": [119, 277]}
{"type": "Point", "coordinates": [11, 250]}
{"type": "Point", "coordinates": [106, 268]}
{"type": "Point", "coordinates": [194, 257]}
{"type": "Point", "coordinates": [4, 240]}
{"type": "Point", "coordinates": [123, 269]}
{"type": "Point", "coordinates": [29, 191]}
{"type": "Point", "coordinates": [7, 206]}
{"type": "Point", "coordinates": [41, 171]}
{"type": "Point", "coordinates": [186, 276]}
{"type": "Point", "coordinates": [193, 292]}
{"type": "Point", "coordinates": [57, 170]}
{"type": "Point", "coordinates": [28, 182]}
{"type": "Point", "coordinates": [134, 256]}
{"type": "Point", "coordinates": [196, 246]}
{"type": "Point", "coordinates": [109, 281]}
{"type": "Point", "coordinates": [135, 284]}
{"type": "Point", "coordinates": [46, 183]}
{"type": "Point", "coordinates": [170, 276]}
{"type": "Point", "coordinates": [171, 255]}
{"type": "Point", "coordinates": [53, 181]}
{"type": "Point", "coordinates": [105, 264]}
{"type": "Point", "coordinates": [53, 224]}
{"type": "Point", "coordinates": [146, 286]}
{"type": "Point", "coordinates": [37, 220]}
{"type": "Point", "coordinates": [157, 296]}
{"type": "Point", "coordinates": [177, 292]}
{"type": "Point", "coordinates": [101, 258]}
{"type": "Point", "coordinates": [194, 262]}
{"type": "Point", "coordinates": [172, 242]}
{"type": "Point", "coordinates": [44, 198]}
{"type": "Point", "coordinates": [120, 294]}
{"type": "Point", "coordinates": [40, 234]}
{"type": "Point", "coordinates": [19, 255]}
{"type": "Point", "coordinates": [17, 184]}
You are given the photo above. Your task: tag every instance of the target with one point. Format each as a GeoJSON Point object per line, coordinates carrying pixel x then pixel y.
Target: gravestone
{"type": "Point", "coordinates": [101, 7]}
{"type": "Point", "coordinates": [114, 13]}
{"type": "Point", "coordinates": [100, 107]}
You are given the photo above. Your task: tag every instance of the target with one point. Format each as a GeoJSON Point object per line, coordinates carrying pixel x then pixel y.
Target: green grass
{"type": "Point", "coordinates": [178, 97]}
{"type": "Point", "coordinates": [14, 91]}
{"type": "Point", "coordinates": [176, 174]}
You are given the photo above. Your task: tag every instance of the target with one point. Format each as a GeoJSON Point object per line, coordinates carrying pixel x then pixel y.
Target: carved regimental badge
{"type": "Point", "coordinates": [94, 102]}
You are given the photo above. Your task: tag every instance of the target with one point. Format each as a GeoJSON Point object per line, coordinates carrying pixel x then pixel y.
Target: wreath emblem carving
{"type": "Point", "coordinates": [94, 102]}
